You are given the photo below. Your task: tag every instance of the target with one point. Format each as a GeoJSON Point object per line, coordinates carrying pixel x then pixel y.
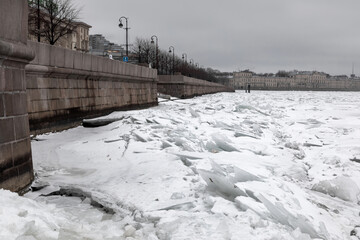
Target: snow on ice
{"type": "Point", "coordinates": [265, 165]}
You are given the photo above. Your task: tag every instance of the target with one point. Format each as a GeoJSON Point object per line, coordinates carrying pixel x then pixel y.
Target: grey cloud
{"type": "Point", "coordinates": [266, 35]}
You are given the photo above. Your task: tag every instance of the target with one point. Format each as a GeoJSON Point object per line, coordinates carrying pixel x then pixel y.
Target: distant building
{"type": "Point", "coordinates": [100, 46]}
{"type": "Point", "coordinates": [81, 37]}
{"type": "Point", "coordinates": [77, 40]}
{"type": "Point", "coordinates": [294, 80]}
{"type": "Point", "coordinates": [98, 41]}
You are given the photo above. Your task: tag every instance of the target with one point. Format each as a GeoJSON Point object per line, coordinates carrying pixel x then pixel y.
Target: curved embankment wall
{"type": "Point", "coordinates": [65, 86]}
{"type": "Point", "coordinates": [186, 87]}
{"type": "Point", "coordinates": [16, 170]}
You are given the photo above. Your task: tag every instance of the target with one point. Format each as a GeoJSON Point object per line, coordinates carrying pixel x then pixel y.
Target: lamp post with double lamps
{"type": "Point", "coordinates": [127, 36]}
{"type": "Point", "coordinates": [173, 59]}
{"type": "Point", "coordinates": [156, 50]}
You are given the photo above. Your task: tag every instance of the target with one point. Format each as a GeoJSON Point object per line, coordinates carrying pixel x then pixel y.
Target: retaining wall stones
{"type": "Point", "coordinates": [186, 87]}
{"type": "Point", "coordinates": [65, 86]}
{"type": "Point", "coordinates": [16, 171]}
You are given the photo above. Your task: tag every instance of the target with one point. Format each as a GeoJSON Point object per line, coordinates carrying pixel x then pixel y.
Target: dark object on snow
{"type": "Point", "coordinates": [355, 231]}
{"type": "Point", "coordinates": [248, 88]}
{"type": "Point", "coordinates": [92, 123]}
{"type": "Point", "coordinates": [355, 160]}
{"type": "Point", "coordinates": [36, 187]}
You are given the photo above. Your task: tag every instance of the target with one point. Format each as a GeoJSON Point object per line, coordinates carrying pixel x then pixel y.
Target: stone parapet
{"type": "Point", "coordinates": [187, 87]}
{"type": "Point", "coordinates": [65, 86]}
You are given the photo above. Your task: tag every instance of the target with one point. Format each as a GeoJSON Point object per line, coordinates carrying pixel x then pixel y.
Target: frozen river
{"type": "Point", "coordinates": [265, 165]}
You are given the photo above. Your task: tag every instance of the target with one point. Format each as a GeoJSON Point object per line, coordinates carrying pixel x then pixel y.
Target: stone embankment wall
{"type": "Point", "coordinates": [65, 86]}
{"type": "Point", "coordinates": [187, 87]}
{"type": "Point", "coordinates": [16, 171]}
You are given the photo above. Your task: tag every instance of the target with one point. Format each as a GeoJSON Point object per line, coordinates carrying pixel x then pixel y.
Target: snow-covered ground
{"type": "Point", "coordinates": [265, 165]}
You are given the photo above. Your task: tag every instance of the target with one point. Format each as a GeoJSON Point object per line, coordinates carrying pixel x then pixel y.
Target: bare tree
{"type": "Point", "coordinates": [56, 17]}
{"type": "Point", "coordinates": [282, 73]}
{"type": "Point", "coordinates": [144, 50]}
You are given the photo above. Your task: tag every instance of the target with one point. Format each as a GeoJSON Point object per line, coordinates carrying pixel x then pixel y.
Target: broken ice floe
{"type": "Point", "coordinates": [186, 159]}
{"type": "Point", "coordinates": [342, 187]}
{"type": "Point", "coordinates": [257, 129]}
{"type": "Point", "coordinates": [219, 181]}
{"type": "Point", "coordinates": [164, 96]}
{"type": "Point", "coordinates": [292, 145]}
{"type": "Point", "coordinates": [138, 136]}
{"type": "Point", "coordinates": [312, 145]}
{"type": "Point", "coordinates": [165, 144]}
{"type": "Point", "coordinates": [298, 152]}
{"type": "Point", "coordinates": [279, 213]}
{"type": "Point", "coordinates": [181, 205]}
{"type": "Point", "coordinates": [194, 113]}
{"type": "Point", "coordinates": [99, 122]}
{"type": "Point", "coordinates": [177, 195]}
{"type": "Point", "coordinates": [248, 191]}
{"type": "Point", "coordinates": [313, 141]}
{"type": "Point", "coordinates": [295, 171]}
{"type": "Point", "coordinates": [112, 140]}
{"type": "Point", "coordinates": [246, 203]}
{"type": "Point", "coordinates": [220, 143]}
{"type": "Point", "coordinates": [241, 108]}
{"type": "Point", "coordinates": [244, 176]}
{"type": "Point", "coordinates": [245, 134]}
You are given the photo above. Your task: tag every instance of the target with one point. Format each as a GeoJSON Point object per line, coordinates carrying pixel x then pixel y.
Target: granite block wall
{"type": "Point", "coordinates": [65, 86]}
{"type": "Point", "coordinates": [187, 87]}
{"type": "Point", "coordinates": [16, 170]}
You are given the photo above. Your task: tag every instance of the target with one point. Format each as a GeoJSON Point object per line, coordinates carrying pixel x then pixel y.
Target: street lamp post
{"type": "Point", "coordinates": [184, 57]}
{"type": "Point", "coordinates": [156, 50]}
{"type": "Point", "coordinates": [166, 64]}
{"type": "Point", "coordinates": [127, 36]}
{"type": "Point", "coordinates": [173, 59]}
{"type": "Point", "coordinates": [38, 20]}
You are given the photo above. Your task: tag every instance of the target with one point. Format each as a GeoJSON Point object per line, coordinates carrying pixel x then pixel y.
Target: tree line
{"type": "Point", "coordinates": [166, 63]}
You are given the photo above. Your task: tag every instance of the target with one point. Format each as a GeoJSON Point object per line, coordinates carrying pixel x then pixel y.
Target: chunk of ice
{"type": "Point", "coordinates": [177, 195]}
{"type": "Point", "coordinates": [212, 147]}
{"type": "Point", "coordinates": [292, 145]}
{"type": "Point", "coordinates": [139, 137]}
{"type": "Point", "coordinates": [222, 143]}
{"type": "Point", "coordinates": [279, 213]}
{"type": "Point", "coordinates": [194, 113]}
{"type": "Point", "coordinates": [246, 203]}
{"type": "Point", "coordinates": [244, 134]}
{"type": "Point", "coordinates": [244, 176]}
{"type": "Point", "coordinates": [129, 231]}
{"type": "Point", "coordinates": [221, 184]}
{"type": "Point", "coordinates": [342, 187]}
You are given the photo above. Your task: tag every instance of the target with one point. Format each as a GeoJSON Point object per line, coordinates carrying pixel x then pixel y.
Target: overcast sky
{"type": "Point", "coordinates": [231, 35]}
